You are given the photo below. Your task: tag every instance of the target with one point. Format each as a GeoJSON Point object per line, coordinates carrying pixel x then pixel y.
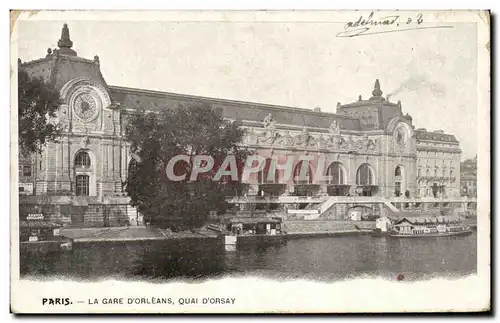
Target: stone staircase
{"type": "Point", "coordinates": [336, 211]}
{"type": "Point", "coordinates": [391, 206]}
{"type": "Point", "coordinates": [330, 208]}
{"type": "Point", "coordinates": [135, 217]}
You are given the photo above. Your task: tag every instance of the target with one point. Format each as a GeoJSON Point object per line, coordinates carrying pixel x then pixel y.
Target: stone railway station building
{"type": "Point", "coordinates": [372, 147]}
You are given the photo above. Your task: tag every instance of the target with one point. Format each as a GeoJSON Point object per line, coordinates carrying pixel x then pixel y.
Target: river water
{"type": "Point", "coordinates": [325, 259]}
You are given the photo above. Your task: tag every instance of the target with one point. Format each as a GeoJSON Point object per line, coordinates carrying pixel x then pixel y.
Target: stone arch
{"type": "Point", "coordinates": [84, 173]}
{"type": "Point", "coordinates": [337, 172]}
{"type": "Point", "coordinates": [391, 126]}
{"type": "Point", "coordinates": [399, 180]}
{"type": "Point", "coordinates": [264, 173]}
{"type": "Point", "coordinates": [132, 166]}
{"type": "Point", "coordinates": [82, 159]}
{"type": "Point", "coordinates": [365, 175]}
{"type": "Point", "coordinates": [299, 178]}
{"type": "Point", "coordinates": [89, 153]}
{"type": "Point", "coordinates": [68, 90]}
{"type": "Point", "coordinates": [131, 160]}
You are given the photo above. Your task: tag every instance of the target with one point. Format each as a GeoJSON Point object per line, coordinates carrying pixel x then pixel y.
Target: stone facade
{"type": "Point", "coordinates": [370, 146]}
{"type": "Point", "coordinates": [468, 177]}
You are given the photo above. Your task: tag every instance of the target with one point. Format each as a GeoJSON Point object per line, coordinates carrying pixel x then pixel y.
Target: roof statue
{"type": "Point", "coordinates": [270, 134]}
{"type": "Point", "coordinates": [269, 122]}
{"type": "Point", "coordinates": [377, 93]}
{"type": "Point", "coordinates": [334, 128]}
{"type": "Point", "coordinates": [65, 42]}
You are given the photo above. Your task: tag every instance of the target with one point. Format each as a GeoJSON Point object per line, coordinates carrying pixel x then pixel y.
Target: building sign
{"type": "Point", "coordinates": [35, 216]}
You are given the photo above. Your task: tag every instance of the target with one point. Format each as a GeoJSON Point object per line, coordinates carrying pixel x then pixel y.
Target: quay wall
{"type": "Point", "coordinates": [312, 227]}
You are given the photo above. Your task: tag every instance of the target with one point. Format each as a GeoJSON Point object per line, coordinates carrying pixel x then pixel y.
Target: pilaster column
{"type": "Point", "coordinates": [351, 174]}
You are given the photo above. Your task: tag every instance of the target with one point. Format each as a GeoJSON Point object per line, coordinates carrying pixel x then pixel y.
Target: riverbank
{"type": "Point", "coordinates": [301, 235]}
{"type": "Point", "coordinates": [293, 228]}
{"type": "Point", "coordinates": [129, 234]}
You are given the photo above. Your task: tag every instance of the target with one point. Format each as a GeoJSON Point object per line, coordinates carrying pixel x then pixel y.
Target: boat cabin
{"type": "Point", "coordinates": [250, 226]}
{"type": "Point", "coordinates": [414, 226]}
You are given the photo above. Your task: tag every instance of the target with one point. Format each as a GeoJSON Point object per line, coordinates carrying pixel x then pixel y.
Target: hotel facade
{"type": "Point", "coordinates": [371, 146]}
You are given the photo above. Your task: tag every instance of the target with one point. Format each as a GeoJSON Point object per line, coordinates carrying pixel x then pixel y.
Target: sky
{"type": "Point", "coordinates": [301, 64]}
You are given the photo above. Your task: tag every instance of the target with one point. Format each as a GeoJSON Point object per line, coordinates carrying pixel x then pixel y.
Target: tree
{"type": "Point", "coordinates": [190, 130]}
{"type": "Point", "coordinates": [38, 102]}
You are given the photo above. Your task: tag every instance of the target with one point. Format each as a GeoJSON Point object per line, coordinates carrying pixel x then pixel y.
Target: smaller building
{"type": "Point", "coordinates": [468, 177]}
{"type": "Point", "coordinates": [36, 228]}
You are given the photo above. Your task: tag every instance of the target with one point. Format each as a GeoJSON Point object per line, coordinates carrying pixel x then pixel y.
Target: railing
{"type": "Point", "coordinates": [304, 182]}
{"type": "Point", "coordinates": [292, 211]}
{"type": "Point", "coordinates": [276, 199]}
{"type": "Point", "coordinates": [346, 199]}
{"type": "Point", "coordinates": [435, 178]}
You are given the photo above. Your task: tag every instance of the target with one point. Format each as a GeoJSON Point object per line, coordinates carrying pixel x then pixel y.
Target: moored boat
{"type": "Point", "coordinates": [406, 228]}
{"type": "Point", "coordinates": [254, 230]}
{"type": "Point", "coordinates": [430, 235]}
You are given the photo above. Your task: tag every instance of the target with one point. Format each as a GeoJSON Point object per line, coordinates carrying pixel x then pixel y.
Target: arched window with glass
{"type": "Point", "coordinates": [335, 174]}
{"type": "Point", "coordinates": [132, 168]}
{"type": "Point", "coordinates": [82, 159]}
{"type": "Point", "coordinates": [364, 175]}
{"type": "Point", "coordinates": [263, 175]}
{"type": "Point", "coordinates": [299, 177]}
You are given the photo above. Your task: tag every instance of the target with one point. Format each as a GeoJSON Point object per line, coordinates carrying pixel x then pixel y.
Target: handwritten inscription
{"type": "Point", "coordinates": [371, 25]}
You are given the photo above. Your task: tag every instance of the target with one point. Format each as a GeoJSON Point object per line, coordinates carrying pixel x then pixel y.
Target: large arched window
{"type": "Point", "coordinates": [397, 172]}
{"type": "Point", "coordinates": [82, 185]}
{"type": "Point", "coordinates": [132, 167]}
{"type": "Point", "coordinates": [299, 177]}
{"type": "Point", "coordinates": [263, 175]}
{"type": "Point", "coordinates": [82, 159]}
{"type": "Point", "coordinates": [364, 175]}
{"type": "Point", "coordinates": [335, 174]}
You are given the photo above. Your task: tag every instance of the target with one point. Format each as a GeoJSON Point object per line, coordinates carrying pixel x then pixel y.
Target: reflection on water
{"type": "Point", "coordinates": [329, 258]}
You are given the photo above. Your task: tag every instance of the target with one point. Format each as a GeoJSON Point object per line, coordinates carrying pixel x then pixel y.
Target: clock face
{"type": "Point", "coordinates": [85, 107]}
